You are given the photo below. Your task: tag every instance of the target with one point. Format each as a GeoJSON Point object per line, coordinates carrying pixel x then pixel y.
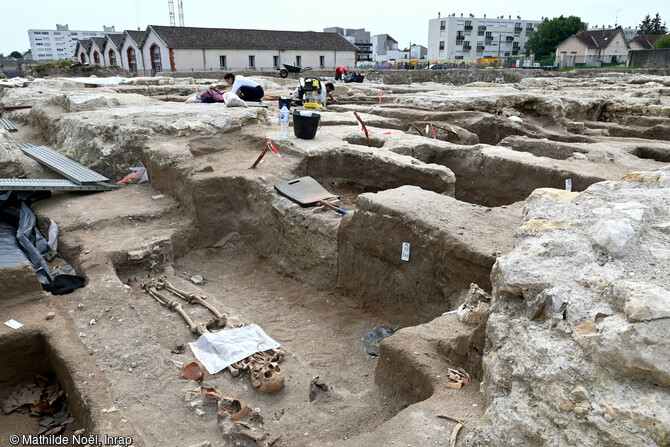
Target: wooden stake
{"type": "Point", "coordinates": [367, 136]}
{"type": "Point", "coordinates": [260, 157]}
{"type": "Point", "coordinates": [445, 129]}
{"type": "Point", "coordinates": [417, 129]}
{"type": "Point", "coordinates": [381, 90]}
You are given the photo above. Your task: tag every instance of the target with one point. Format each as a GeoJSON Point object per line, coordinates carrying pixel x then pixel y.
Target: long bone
{"type": "Point", "coordinates": [196, 328]}
{"type": "Point", "coordinates": [219, 320]}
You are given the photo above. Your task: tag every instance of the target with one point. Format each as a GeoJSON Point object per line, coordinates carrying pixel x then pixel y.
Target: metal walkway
{"type": "Point", "coordinates": [8, 125]}
{"type": "Point", "coordinates": [48, 184]}
{"type": "Point", "coordinates": [68, 168]}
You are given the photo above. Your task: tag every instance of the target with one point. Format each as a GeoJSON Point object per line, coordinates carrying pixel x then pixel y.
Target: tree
{"type": "Point", "coordinates": [644, 28]}
{"type": "Point", "coordinates": [656, 27]}
{"type": "Point", "coordinates": [552, 32]}
{"type": "Point", "coordinates": [16, 55]}
{"type": "Point", "coordinates": [650, 26]}
{"type": "Point", "coordinates": [663, 42]}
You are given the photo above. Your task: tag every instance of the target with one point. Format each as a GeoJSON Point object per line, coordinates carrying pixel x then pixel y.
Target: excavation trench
{"type": "Point", "coordinates": [27, 356]}
{"type": "Point", "coordinates": [268, 261]}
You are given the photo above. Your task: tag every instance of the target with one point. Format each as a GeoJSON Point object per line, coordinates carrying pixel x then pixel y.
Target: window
{"type": "Point", "coordinates": [156, 58]}
{"type": "Point", "coordinates": [298, 61]}
{"type": "Point", "coordinates": [96, 57]}
{"type": "Point", "coordinates": [112, 57]}
{"type": "Point", "coordinates": [459, 42]}
{"type": "Point", "coordinates": [441, 44]}
{"type": "Point", "coordinates": [468, 23]}
{"type": "Point", "coordinates": [252, 61]}
{"type": "Point", "coordinates": [222, 62]}
{"type": "Point", "coordinates": [56, 33]}
{"type": "Point", "coordinates": [275, 61]}
{"type": "Point", "coordinates": [39, 44]}
{"type": "Point", "coordinates": [132, 64]}
{"type": "Point", "coordinates": [443, 25]}
{"type": "Point", "coordinates": [322, 61]}
{"type": "Point", "coordinates": [460, 23]}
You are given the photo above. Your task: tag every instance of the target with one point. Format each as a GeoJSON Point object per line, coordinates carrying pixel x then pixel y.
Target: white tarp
{"type": "Point", "coordinates": [218, 350]}
{"type": "Point", "coordinates": [14, 82]}
{"type": "Point", "coordinates": [113, 80]}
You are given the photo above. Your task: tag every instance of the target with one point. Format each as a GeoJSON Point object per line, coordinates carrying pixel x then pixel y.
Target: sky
{"type": "Point", "coordinates": [405, 21]}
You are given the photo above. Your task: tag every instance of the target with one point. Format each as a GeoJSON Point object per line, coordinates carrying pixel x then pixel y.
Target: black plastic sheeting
{"type": "Point", "coordinates": [20, 240]}
{"type": "Point", "coordinates": [372, 339]}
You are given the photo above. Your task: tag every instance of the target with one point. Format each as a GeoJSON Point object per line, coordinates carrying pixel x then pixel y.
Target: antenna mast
{"type": "Point", "coordinates": [181, 12]}
{"type": "Point", "coordinates": [171, 9]}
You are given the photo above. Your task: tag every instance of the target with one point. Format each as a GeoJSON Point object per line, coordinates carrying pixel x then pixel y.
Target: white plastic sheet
{"type": "Point", "coordinates": [53, 236]}
{"type": "Point", "coordinates": [232, 100]}
{"type": "Point", "coordinates": [14, 82]}
{"type": "Point", "coordinates": [218, 350]}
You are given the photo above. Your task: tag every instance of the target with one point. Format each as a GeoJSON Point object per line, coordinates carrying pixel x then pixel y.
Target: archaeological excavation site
{"type": "Point", "coordinates": [468, 258]}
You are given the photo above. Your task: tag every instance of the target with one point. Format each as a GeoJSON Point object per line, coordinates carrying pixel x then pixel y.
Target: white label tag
{"type": "Point", "coordinates": [568, 184]}
{"type": "Point", "coordinates": [405, 251]}
{"type": "Point", "coordinates": [13, 324]}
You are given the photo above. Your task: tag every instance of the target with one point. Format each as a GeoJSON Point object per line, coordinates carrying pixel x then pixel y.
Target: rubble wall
{"type": "Point", "coordinates": [577, 346]}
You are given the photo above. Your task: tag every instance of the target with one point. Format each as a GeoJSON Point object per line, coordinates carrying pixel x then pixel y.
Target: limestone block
{"type": "Point", "coordinates": [613, 235]}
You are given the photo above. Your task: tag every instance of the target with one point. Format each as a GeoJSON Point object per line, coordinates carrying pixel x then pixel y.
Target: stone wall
{"type": "Point", "coordinates": [650, 58]}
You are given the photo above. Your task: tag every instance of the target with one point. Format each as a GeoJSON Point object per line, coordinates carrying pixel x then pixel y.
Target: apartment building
{"type": "Point", "coordinates": [453, 38]}
{"type": "Point", "coordinates": [358, 37]}
{"type": "Point", "coordinates": [48, 44]}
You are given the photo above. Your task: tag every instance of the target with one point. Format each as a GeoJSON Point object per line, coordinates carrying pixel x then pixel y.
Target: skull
{"type": "Point", "coordinates": [269, 378]}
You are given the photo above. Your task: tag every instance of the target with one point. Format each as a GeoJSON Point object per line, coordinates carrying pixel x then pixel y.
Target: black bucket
{"type": "Point", "coordinates": [283, 101]}
{"type": "Point", "coordinates": [305, 127]}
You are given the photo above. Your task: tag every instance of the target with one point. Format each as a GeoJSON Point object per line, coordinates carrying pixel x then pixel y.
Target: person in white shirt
{"type": "Point", "coordinates": [245, 88]}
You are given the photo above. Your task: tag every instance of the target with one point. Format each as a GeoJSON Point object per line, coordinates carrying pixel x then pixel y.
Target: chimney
{"type": "Point", "coordinates": [484, 15]}
{"type": "Point", "coordinates": [510, 18]}
{"type": "Point", "coordinates": [438, 15]}
{"type": "Point", "coordinates": [461, 14]}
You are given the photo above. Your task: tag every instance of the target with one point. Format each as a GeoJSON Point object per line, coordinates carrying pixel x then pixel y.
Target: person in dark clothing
{"type": "Point", "coordinates": [245, 88]}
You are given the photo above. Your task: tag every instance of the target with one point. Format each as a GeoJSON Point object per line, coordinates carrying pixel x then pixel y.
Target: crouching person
{"type": "Point", "coordinates": [245, 88]}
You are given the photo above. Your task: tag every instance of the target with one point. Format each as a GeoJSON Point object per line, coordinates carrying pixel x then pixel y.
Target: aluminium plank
{"type": "Point", "coordinates": [64, 166]}
{"type": "Point", "coordinates": [29, 184]}
{"type": "Point", "coordinates": [8, 125]}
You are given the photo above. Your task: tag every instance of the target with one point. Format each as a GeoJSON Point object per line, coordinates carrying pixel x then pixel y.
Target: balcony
{"type": "Point", "coordinates": [460, 37]}
{"type": "Point", "coordinates": [467, 47]}
{"type": "Point", "coordinates": [517, 29]}
{"type": "Point", "coordinates": [509, 38]}
{"type": "Point", "coordinates": [480, 49]}
{"type": "Point", "coordinates": [468, 27]}
{"type": "Point", "coordinates": [488, 37]}
{"type": "Point", "coordinates": [481, 27]}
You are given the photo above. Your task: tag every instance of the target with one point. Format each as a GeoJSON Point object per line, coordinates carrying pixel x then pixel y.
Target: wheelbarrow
{"type": "Point", "coordinates": [292, 69]}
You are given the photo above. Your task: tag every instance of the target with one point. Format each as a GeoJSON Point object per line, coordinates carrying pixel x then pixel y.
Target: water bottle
{"type": "Point", "coordinates": [283, 122]}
